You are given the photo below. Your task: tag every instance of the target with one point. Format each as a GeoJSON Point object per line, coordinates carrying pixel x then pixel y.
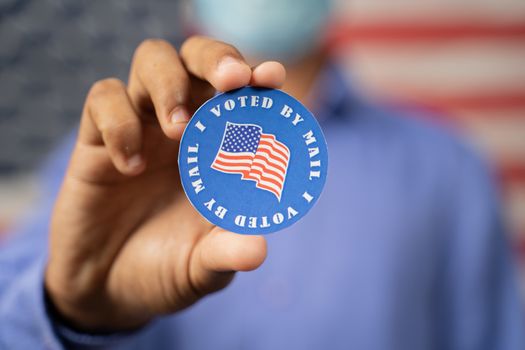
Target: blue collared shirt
{"type": "Point", "coordinates": [404, 250]}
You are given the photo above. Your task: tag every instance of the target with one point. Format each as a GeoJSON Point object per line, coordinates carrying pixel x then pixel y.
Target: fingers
{"type": "Point", "coordinates": [269, 74]}
{"type": "Point", "coordinates": [224, 67]}
{"type": "Point", "coordinates": [222, 252]}
{"type": "Point", "coordinates": [158, 79]}
{"type": "Point", "coordinates": [161, 80]}
{"type": "Point", "coordinates": [109, 118]}
{"type": "Point", "coordinates": [216, 62]}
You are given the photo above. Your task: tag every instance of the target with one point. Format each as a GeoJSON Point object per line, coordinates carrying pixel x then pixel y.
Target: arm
{"type": "Point", "coordinates": [125, 245]}
{"type": "Point", "coordinates": [24, 322]}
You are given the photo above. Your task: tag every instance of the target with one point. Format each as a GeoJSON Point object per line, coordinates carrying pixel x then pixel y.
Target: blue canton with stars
{"type": "Point", "coordinates": [241, 138]}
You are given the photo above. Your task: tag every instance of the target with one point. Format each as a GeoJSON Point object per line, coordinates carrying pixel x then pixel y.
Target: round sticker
{"type": "Point", "coordinates": [253, 160]}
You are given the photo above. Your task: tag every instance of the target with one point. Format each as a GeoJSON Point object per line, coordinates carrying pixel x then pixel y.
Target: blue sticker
{"type": "Point", "coordinates": [253, 160]}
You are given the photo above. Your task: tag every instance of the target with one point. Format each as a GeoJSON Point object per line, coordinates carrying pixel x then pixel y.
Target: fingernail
{"type": "Point", "coordinates": [227, 61]}
{"type": "Point", "coordinates": [134, 161]}
{"type": "Point", "coordinates": [180, 115]}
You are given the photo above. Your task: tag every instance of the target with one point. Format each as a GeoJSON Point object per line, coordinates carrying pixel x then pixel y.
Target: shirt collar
{"type": "Point", "coordinates": [332, 94]}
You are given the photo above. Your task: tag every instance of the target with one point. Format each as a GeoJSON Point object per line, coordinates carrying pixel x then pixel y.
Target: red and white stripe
{"type": "Point", "coordinates": [463, 59]}
{"type": "Point", "coordinates": [267, 167]}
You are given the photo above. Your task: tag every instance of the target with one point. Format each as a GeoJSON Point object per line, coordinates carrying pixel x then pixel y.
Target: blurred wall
{"type": "Point", "coordinates": [464, 59]}
{"type": "Point", "coordinates": [51, 51]}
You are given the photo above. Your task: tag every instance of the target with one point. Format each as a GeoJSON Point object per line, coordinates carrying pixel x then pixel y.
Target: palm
{"type": "Point", "coordinates": [148, 225]}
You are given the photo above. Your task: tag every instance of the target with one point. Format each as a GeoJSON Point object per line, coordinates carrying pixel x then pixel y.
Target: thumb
{"type": "Point", "coordinates": [220, 254]}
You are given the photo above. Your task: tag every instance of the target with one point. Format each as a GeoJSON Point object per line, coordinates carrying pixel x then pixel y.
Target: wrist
{"type": "Point", "coordinates": [89, 311]}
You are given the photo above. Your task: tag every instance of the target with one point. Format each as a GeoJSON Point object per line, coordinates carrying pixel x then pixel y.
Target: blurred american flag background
{"type": "Point", "coordinates": [463, 59]}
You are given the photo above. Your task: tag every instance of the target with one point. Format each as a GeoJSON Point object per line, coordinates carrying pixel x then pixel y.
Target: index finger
{"type": "Point", "coordinates": [223, 66]}
{"type": "Point", "coordinates": [159, 83]}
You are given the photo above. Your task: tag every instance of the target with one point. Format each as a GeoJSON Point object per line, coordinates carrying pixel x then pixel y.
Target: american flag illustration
{"type": "Point", "coordinates": [258, 157]}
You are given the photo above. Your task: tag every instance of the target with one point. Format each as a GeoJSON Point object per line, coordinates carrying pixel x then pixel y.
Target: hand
{"type": "Point", "coordinates": [126, 245]}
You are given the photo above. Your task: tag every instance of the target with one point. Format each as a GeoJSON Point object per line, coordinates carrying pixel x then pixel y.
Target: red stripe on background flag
{"type": "Point", "coordinates": [520, 246]}
{"type": "Point", "coordinates": [511, 172]}
{"type": "Point", "coordinates": [347, 33]}
{"type": "Point", "coordinates": [487, 101]}
{"type": "Point", "coordinates": [497, 100]}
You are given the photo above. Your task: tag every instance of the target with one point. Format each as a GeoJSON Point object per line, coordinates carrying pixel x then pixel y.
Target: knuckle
{"type": "Point", "coordinates": [105, 87]}
{"type": "Point", "coordinates": [219, 48]}
{"type": "Point", "coordinates": [225, 49]}
{"type": "Point", "coordinates": [228, 49]}
{"type": "Point", "coordinates": [189, 42]}
{"type": "Point", "coordinates": [151, 44]}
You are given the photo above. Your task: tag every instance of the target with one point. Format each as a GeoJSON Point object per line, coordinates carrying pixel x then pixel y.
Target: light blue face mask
{"type": "Point", "coordinates": [283, 30]}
